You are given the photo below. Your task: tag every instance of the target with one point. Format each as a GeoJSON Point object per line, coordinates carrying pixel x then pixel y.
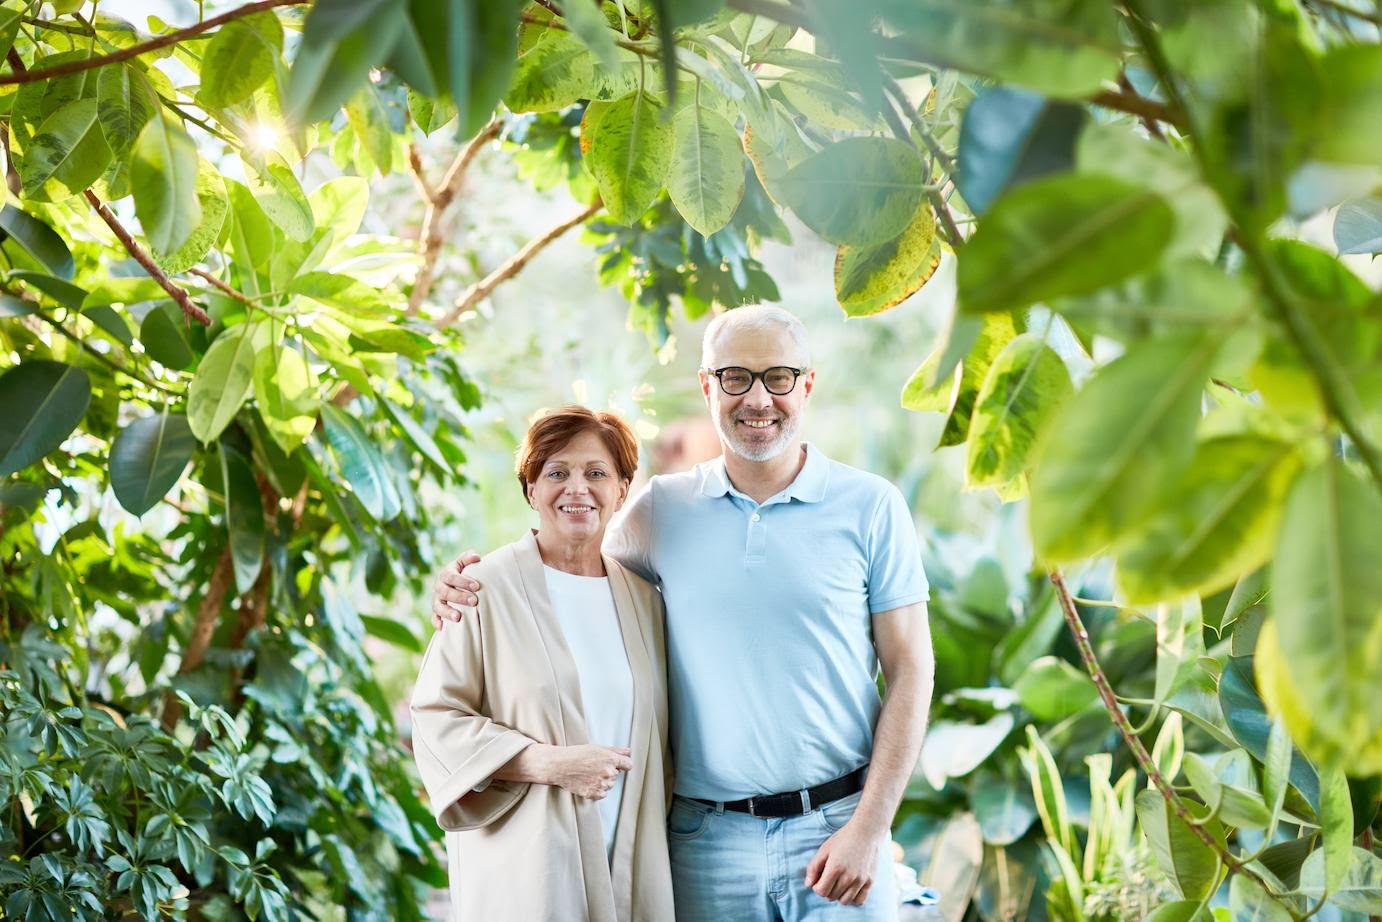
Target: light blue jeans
{"type": "Point", "coordinates": [732, 867]}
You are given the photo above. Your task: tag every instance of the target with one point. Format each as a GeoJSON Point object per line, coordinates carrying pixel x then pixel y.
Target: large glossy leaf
{"type": "Point", "coordinates": [553, 74]}
{"type": "Point", "coordinates": [1023, 389]}
{"type": "Point", "coordinates": [211, 197]}
{"type": "Point", "coordinates": [38, 240]}
{"type": "Point", "coordinates": [244, 517]}
{"type": "Point", "coordinates": [1063, 235]}
{"type": "Point", "coordinates": [420, 438]}
{"type": "Point", "coordinates": [280, 195]}
{"type": "Point", "coordinates": [1336, 826]}
{"type": "Point", "coordinates": [370, 121]}
{"type": "Point", "coordinates": [1179, 644]}
{"type": "Point", "coordinates": [1190, 864]}
{"type": "Point", "coordinates": [239, 58]}
{"type": "Point", "coordinates": [956, 395]}
{"type": "Point", "coordinates": [1360, 889]}
{"type": "Point", "coordinates": [361, 463]}
{"type": "Point", "coordinates": [870, 279]}
{"type": "Point", "coordinates": [493, 52]}
{"type": "Point", "coordinates": [67, 154]}
{"type": "Point", "coordinates": [349, 294]}
{"type": "Point", "coordinates": [706, 177]}
{"type": "Point", "coordinates": [1326, 603]}
{"type": "Point", "coordinates": [1180, 911]}
{"type": "Point", "coordinates": [953, 749]}
{"type": "Point", "coordinates": [164, 176]}
{"type": "Point", "coordinates": [1250, 903]}
{"type": "Point", "coordinates": [168, 339]}
{"type": "Point", "coordinates": [286, 388]}
{"type": "Point", "coordinates": [1117, 446]}
{"type": "Point", "coordinates": [628, 150]}
{"type": "Point", "coordinates": [1052, 689]}
{"type": "Point", "coordinates": [1248, 721]}
{"type": "Point", "coordinates": [857, 191]}
{"type": "Point", "coordinates": [1064, 48]}
{"type": "Point", "coordinates": [1235, 804]}
{"type": "Point", "coordinates": [1010, 136]}
{"type": "Point", "coordinates": [1049, 789]}
{"type": "Point", "coordinates": [44, 401]}
{"type": "Point", "coordinates": [1219, 523]}
{"type": "Point", "coordinates": [1005, 809]}
{"type": "Point", "coordinates": [148, 457]}
{"type": "Point", "coordinates": [222, 382]}
{"type": "Point", "coordinates": [341, 41]}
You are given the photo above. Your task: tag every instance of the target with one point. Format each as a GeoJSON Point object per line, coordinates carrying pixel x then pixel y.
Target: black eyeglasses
{"type": "Point", "coordinates": [778, 380]}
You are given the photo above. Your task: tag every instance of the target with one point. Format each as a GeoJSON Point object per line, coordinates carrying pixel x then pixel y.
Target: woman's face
{"type": "Point", "coordinates": [577, 491]}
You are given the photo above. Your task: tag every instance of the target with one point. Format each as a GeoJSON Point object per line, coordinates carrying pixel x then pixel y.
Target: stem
{"type": "Point", "coordinates": [180, 296]}
{"type": "Point", "coordinates": [1354, 12]}
{"type": "Point", "coordinates": [222, 286]}
{"type": "Point", "coordinates": [102, 357]}
{"type": "Point", "coordinates": [481, 289]}
{"type": "Point", "coordinates": [947, 163]}
{"type": "Point", "coordinates": [134, 51]}
{"type": "Point", "coordinates": [208, 613]}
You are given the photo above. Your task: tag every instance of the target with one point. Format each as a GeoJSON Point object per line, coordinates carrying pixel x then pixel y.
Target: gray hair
{"type": "Point", "coordinates": [756, 317]}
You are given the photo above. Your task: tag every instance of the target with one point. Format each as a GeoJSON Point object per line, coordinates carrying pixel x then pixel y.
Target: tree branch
{"type": "Point", "coordinates": [1125, 729]}
{"type": "Point", "coordinates": [481, 289]}
{"type": "Point", "coordinates": [438, 201]}
{"type": "Point", "coordinates": [180, 296]}
{"type": "Point", "coordinates": [222, 286]}
{"type": "Point", "coordinates": [203, 628]}
{"type": "Point", "coordinates": [134, 51]}
{"type": "Point", "coordinates": [947, 162]}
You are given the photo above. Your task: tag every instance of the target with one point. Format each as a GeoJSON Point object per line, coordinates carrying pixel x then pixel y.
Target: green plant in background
{"type": "Point", "coordinates": [1187, 392]}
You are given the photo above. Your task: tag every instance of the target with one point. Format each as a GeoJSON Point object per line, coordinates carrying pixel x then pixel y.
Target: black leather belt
{"type": "Point", "coordinates": [795, 803]}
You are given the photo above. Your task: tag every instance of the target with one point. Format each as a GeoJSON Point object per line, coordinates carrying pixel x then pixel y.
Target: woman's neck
{"type": "Point", "coordinates": [579, 559]}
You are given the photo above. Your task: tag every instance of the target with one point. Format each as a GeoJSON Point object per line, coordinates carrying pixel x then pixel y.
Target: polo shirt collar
{"type": "Point", "coordinates": [809, 485]}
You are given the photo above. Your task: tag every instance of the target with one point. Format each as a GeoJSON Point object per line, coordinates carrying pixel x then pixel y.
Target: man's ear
{"type": "Point", "coordinates": [809, 380]}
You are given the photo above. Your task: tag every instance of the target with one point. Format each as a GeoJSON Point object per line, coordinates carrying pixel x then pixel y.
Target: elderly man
{"type": "Point", "coordinates": [788, 578]}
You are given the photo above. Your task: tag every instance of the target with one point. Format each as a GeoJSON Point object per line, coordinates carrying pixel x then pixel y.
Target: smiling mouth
{"type": "Point", "coordinates": [759, 423]}
{"type": "Point", "coordinates": [576, 509]}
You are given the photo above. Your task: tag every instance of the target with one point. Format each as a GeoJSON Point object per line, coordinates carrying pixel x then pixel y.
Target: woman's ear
{"type": "Point", "coordinates": [623, 494]}
{"type": "Point", "coordinates": [529, 492]}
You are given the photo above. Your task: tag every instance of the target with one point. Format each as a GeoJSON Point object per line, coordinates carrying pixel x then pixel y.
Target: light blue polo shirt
{"type": "Point", "coordinates": [772, 670]}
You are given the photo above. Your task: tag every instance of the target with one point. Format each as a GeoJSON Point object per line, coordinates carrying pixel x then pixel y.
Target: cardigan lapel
{"type": "Point", "coordinates": [559, 658]}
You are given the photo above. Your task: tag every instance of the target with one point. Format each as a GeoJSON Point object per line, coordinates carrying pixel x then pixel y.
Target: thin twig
{"type": "Point", "coordinates": [950, 229]}
{"type": "Point", "coordinates": [222, 286]}
{"type": "Point", "coordinates": [134, 51]}
{"type": "Point", "coordinates": [1148, 121]}
{"type": "Point", "coordinates": [438, 202]}
{"type": "Point", "coordinates": [203, 628]}
{"type": "Point", "coordinates": [1354, 12]}
{"type": "Point", "coordinates": [511, 267]}
{"type": "Point", "coordinates": [180, 296]}
{"type": "Point", "coordinates": [102, 357]}
{"type": "Point", "coordinates": [56, 26]}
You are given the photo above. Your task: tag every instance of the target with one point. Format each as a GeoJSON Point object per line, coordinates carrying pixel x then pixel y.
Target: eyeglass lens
{"type": "Point", "coordinates": [778, 380]}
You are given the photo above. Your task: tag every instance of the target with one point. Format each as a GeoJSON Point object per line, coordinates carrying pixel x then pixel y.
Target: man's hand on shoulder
{"type": "Point", "coordinates": [844, 866]}
{"type": "Point", "coordinates": [453, 591]}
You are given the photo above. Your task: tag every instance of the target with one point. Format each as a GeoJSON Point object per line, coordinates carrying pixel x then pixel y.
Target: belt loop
{"type": "Point", "coordinates": [751, 813]}
{"type": "Point", "coordinates": [805, 801]}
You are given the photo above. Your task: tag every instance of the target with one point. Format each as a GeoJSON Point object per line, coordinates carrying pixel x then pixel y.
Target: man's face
{"type": "Point", "coordinates": [757, 426]}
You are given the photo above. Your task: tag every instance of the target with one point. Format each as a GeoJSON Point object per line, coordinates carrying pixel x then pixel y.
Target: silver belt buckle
{"type": "Point", "coordinates": [751, 813]}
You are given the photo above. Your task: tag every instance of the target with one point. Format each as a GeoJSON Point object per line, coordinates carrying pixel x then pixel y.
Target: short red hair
{"type": "Point", "coordinates": [555, 429]}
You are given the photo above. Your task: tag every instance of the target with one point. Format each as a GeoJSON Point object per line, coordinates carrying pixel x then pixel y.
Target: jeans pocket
{"type": "Point", "coordinates": [687, 819]}
{"type": "Point", "coordinates": [835, 814]}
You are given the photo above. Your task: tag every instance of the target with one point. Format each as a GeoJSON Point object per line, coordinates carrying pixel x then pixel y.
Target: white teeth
{"type": "Point", "coordinates": [757, 423]}
{"type": "Point", "coordinates": [575, 510]}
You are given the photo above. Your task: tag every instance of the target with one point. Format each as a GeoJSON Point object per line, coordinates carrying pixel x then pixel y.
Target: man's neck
{"type": "Point", "coordinates": [759, 480]}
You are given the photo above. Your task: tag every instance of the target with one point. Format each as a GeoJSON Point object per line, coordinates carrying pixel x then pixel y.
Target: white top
{"type": "Point", "coordinates": [585, 608]}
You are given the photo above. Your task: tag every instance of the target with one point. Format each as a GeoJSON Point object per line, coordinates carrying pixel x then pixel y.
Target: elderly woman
{"type": "Point", "coordinates": [540, 725]}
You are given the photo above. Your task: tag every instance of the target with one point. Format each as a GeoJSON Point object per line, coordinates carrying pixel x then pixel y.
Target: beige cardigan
{"type": "Point", "coordinates": [496, 682]}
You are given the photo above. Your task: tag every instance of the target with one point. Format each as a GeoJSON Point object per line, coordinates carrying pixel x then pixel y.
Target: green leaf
{"type": "Point", "coordinates": [871, 279]}
{"type": "Point", "coordinates": [341, 41]}
{"type": "Point", "coordinates": [857, 191]}
{"type": "Point", "coordinates": [1180, 911]}
{"type": "Point", "coordinates": [1276, 771]}
{"type": "Point", "coordinates": [366, 115]}
{"type": "Point", "coordinates": [1358, 227]}
{"type": "Point", "coordinates": [1010, 136]}
{"type": "Point", "coordinates": [827, 104]}
{"type": "Point", "coordinates": [1219, 523]}
{"type": "Point", "coordinates": [1250, 903]}
{"type": "Point", "coordinates": [1049, 790]}
{"type": "Point", "coordinates": [1064, 48]}
{"type": "Point", "coordinates": [67, 154]}
{"type": "Point", "coordinates": [1360, 890]}
{"type": "Point", "coordinates": [1190, 864]}
{"type": "Point", "coordinates": [493, 54]}
{"type": "Point", "coordinates": [9, 28]}
{"type": "Point", "coordinates": [957, 395]}
{"type": "Point", "coordinates": [222, 382]}
{"type": "Point", "coordinates": [44, 401]}
{"type": "Point", "coordinates": [587, 22]}
{"type": "Point", "coordinates": [556, 72]}
{"type": "Point", "coordinates": [164, 175]}
{"type": "Point", "coordinates": [393, 632]}
{"type": "Point", "coordinates": [240, 57]}
{"type": "Point", "coordinates": [286, 387]}
{"type": "Point", "coordinates": [361, 463]}
{"type": "Point", "coordinates": [705, 179]}
{"type": "Point", "coordinates": [1349, 131]}
{"type": "Point", "coordinates": [111, 322]}
{"type": "Point", "coordinates": [11, 307]}
{"type": "Point", "coordinates": [1336, 826]}
{"type": "Point", "coordinates": [1179, 644]}
{"type": "Point", "coordinates": [1005, 809]}
{"type": "Point", "coordinates": [415, 434]}
{"type": "Point", "coordinates": [211, 197]}
{"type": "Point", "coordinates": [354, 297]}
{"type": "Point", "coordinates": [168, 339]}
{"type": "Point", "coordinates": [64, 292]}
{"type": "Point", "coordinates": [1117, 446]}
{"type": "Point", "coordinates": [148, 457]}
{"type": "Point", "coordinates": [244, 517]}
{"type": "Point", "coordinates": [38, 240]}
{"type": "Point", "coordinates": [1023, 388]}
{"type": "Point", "coordinates": [1051, 689]}
{"type": "Point", "coordinates": [628, 151]}
{"type": "Point", "coordinates": [1247, 719]}
{"type": "Point", "coordinates": [1234, 805]}
{"type": "Point", "coordinates": [1326, 603]}
{"type": "Point", "coordinates": [1064, 235]}
{"type": "Point", "coordinates": [280, 196]}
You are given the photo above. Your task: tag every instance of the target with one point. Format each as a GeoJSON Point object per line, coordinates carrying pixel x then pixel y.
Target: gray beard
{"type": "Point", "coordinates": [787, 433]}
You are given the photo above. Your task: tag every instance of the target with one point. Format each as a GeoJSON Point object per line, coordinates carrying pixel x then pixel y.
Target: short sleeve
{"type": "Point", "coordinates": [896, 576]}
{"type": "Point", "coordinates": [629, 539]}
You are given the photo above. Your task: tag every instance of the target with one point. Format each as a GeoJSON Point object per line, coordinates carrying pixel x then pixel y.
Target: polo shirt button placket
{"type": "Point", "coordinates": [756, 546]}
